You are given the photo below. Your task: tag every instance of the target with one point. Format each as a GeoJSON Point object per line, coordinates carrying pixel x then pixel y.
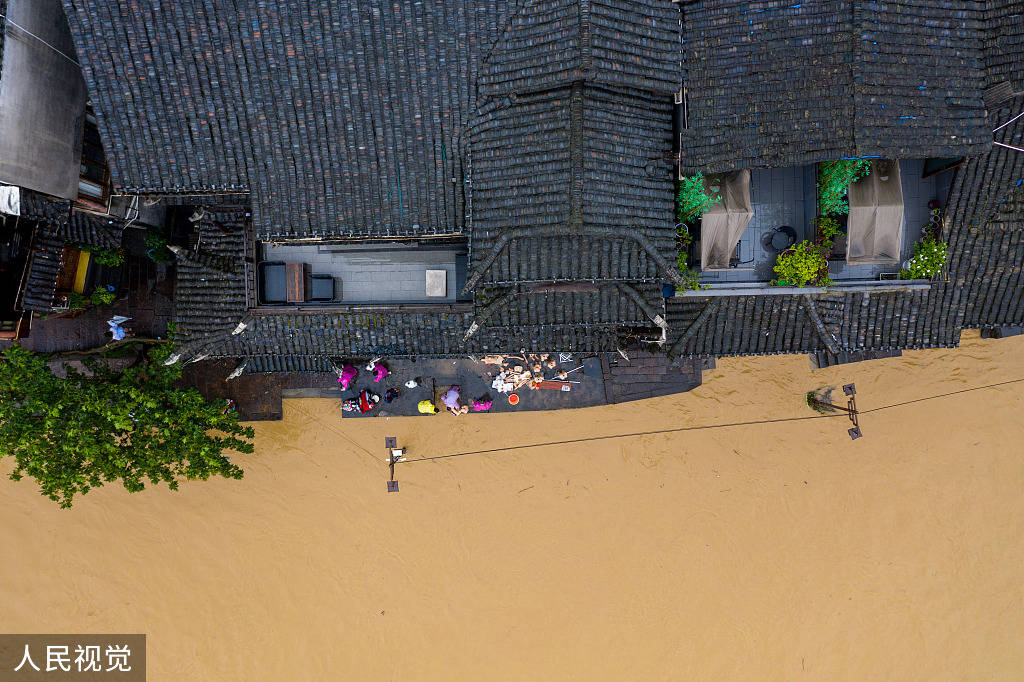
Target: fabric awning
{"type": "Point", "coordinates": [874, 234]}
{"type": "Point", "coordinates": [722, 224]}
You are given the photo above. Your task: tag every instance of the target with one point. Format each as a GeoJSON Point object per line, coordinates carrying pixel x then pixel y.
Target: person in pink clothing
{"type": "Point", "coordinates": [347, 376]}
{"type": "Point", "coordinates": [482, 404]}
{"type": "Point", "coordinates": [380, 371]}
{"type": "Point", "coordinates": [451, 401]}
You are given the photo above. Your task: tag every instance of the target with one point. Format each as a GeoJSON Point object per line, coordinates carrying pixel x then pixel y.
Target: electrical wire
{"type": "Point", "coordinates": [333, 430]}
{"type": "Point", "coordinates": [1008, 122]}
{"type": "Point", "coordinates": [22, 28]}
{"type": "Point", "coordinates": [705, 427]}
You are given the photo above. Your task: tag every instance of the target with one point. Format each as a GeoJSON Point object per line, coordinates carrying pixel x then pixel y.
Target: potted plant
{"type": "Point", "coordinates": [102, 295]}
{"type": "Point", "coordinates": [928, 259]}
{"type": "Point", "coordinates": [801, 265]}
{"type": "Point", "coordinates": [806, 263]}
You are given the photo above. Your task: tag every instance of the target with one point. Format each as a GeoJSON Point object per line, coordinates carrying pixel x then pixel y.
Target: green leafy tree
{"type": "Point", "coordinates": [91, 428]}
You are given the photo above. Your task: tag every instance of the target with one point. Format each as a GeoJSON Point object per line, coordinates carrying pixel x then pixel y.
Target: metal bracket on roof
{"type": "Point", "coordinates": [237, 371]}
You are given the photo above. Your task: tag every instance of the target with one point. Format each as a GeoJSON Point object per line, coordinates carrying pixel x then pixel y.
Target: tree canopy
{"type": "Point", "coordinates": [101, 425]}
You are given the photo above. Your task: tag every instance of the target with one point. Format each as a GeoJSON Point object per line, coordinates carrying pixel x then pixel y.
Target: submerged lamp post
{"type": "Point", "coordinates": [823, 405]}
{"type": "Point", "coordinates": [394, 455]}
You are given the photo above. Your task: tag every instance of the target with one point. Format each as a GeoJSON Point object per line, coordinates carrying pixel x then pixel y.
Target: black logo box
{"type": "Point", "coordinates": [12, 651]}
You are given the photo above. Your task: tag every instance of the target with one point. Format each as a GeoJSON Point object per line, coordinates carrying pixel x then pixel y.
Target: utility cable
{"type": "Point", "coordinates": [705, 427]}
{"type": "Point", "coordinates": [22, 28]}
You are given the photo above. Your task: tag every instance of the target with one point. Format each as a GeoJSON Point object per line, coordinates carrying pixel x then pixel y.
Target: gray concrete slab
{"type": "Point", "coordinates": [366, 274]}
{"type": "Point", "coordinates": [42, 100]}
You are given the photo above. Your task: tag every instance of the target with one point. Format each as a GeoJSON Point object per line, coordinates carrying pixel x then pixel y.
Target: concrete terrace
{"type": "Point", "coordinates": [788, 196]}
{"type": "Point", "coordinates": [604, 379]}
{"type": "Point", "coordinates": [378, 273]}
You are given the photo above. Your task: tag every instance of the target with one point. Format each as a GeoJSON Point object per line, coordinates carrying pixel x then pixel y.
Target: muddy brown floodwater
{"type": "Point", "coordinates": [778, 551]}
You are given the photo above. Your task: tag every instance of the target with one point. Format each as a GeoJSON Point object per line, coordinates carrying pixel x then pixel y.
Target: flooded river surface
{"type": "Point", "coordinates": [768, 551]}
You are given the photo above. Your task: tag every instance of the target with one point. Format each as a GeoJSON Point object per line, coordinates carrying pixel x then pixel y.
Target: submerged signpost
{"type": "Point", "coordinates": [820, 401]}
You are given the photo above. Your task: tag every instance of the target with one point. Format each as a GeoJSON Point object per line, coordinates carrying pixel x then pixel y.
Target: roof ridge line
{"type": "Point", "coordinates": [586, 53]}
{"type": "Point", "coordinates": [856, 45]}
{"type": "Point", "coordinates": [576, 157]}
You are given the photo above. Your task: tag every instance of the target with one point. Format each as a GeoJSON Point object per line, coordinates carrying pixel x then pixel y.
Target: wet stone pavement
{"type": "Point", "coordinates": [474, 380]}
{"type": "Point", "coordinates": [601, 380]}
{"type": "Point", "coordinates": [148, 290]}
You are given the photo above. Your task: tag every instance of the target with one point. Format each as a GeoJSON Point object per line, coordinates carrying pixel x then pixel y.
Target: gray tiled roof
{"type": "Point", "coordinates": [578, 166]}
{"type": "Point", "coordinates": [359, 334]}
{"type": "Point", "coordinates": [1004, 43]}
{"type": "Point", "coordinates": [342, 117]}
{"type": "Point", "coordinates": [982, 283]}
{"type": "Point", "coordinates": [778, 83]}
{"type": "Point", "coordinates": [208, 299]}
{"type": "Point", "coordinates": [3, 22]}
{"type": "Point", "coordinates": [759, 325]}
{"type": "Point", "coordinates": [90, 230]}
{"type": "Point", "coordinates": [609, 305]}
{"type": "Point", "coordinates": [43, 269]}
{"type": "Point", "coordinates": [56, 226]}
{"type": "Point", "coordinates": [986, 235]}
{"type": "Point", "coordinates": [36, 206]}
{"type": "Point", "coordinates": [615, 43]}
{"type": "Point", "coordinates": [567, 155]}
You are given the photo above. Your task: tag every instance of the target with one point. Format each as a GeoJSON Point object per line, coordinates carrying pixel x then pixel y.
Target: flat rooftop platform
{"type": "Point", "coordinates": [378, 273]}
{"type": "Point", "coordinates": [788, 196]}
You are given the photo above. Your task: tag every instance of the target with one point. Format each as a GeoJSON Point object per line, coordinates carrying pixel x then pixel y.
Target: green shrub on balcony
{"type": "Point", "coordinates": [110, 258]}
{"type": "Point", "coordinates": [101, 296]}
{"type": "Point", "coordinates": [804, 264]}
{"type": "Point", "coordinates": [834, 179]}
{"type": "Point", "coordinates": [693, 198]}
{"type": "Point", "coordinates": [928, 259]}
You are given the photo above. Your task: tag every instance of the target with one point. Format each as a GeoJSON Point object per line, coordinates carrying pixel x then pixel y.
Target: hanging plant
{"type": "Point", "coordinates": [834, 179]}
{"type": "Point", "coordinates": [683, 236]}
{"type": "Point", "coordinates": [691, 276]}
{"type": "Point", "coordinates": [828, 230]}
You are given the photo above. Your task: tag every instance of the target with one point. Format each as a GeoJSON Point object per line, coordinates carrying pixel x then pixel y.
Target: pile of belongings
{"type": "Point", "coordinates": [528, 371]}
{"type": "Point", "coordinates": [362, 403]}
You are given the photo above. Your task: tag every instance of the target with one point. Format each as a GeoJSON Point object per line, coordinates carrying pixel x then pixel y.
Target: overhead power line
{"type": "Point", "coordinates": [702, 427]}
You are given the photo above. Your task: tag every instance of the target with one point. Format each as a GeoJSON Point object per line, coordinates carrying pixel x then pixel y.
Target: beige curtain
{"type": "Point", "coordinates": [874, 233]}
{"type": "Point", "coordinates": [722, 224]}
